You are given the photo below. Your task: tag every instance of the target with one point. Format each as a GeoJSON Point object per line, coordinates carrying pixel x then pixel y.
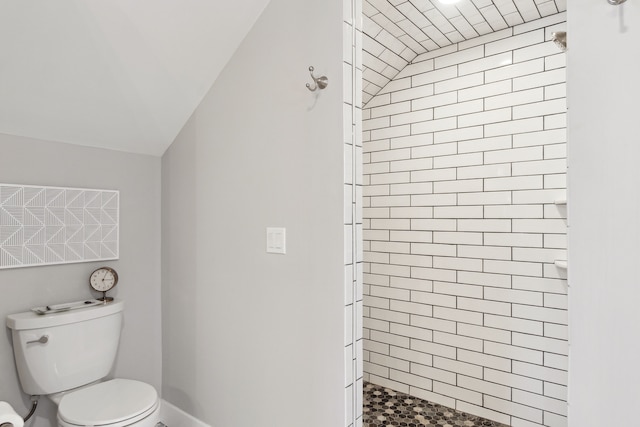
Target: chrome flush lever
{"type": "Point", "coordinates": [42, 340]}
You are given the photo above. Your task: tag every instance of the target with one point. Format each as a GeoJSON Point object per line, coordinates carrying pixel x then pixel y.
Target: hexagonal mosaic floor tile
{"type": "Point", "coordinates": [385, 407]}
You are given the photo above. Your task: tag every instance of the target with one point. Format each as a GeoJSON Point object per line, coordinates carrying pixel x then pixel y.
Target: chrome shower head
{"type": "Point", "coordinates": [616, 2]}
{"type": "Point", "coordinates": [560, 39]}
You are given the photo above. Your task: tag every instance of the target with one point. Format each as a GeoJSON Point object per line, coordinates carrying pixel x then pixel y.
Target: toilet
{"type": "Point", "coordinates": [66, 356]}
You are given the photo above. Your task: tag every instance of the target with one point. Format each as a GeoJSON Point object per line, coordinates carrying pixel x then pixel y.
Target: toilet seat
{"type": "Point", "coordinates": [115, 403]}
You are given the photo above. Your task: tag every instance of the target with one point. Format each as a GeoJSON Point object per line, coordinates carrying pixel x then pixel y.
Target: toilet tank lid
{"type": "Point", "coordinates": [31, 320]}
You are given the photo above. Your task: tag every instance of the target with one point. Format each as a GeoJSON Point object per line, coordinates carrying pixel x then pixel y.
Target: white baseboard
{"type": "Point", "coordinates": [172, 416]}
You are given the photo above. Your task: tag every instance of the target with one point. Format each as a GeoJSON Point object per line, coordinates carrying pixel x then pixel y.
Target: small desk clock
{"type": "Point", "coordinates": [103, 280]}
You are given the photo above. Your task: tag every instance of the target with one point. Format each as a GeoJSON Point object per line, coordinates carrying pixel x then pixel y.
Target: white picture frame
{"type": "Point", "coordinates": [42, 225]}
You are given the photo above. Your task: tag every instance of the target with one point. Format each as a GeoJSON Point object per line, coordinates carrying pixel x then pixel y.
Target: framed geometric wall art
{"type": "Point", "coordinates": [55, 225]}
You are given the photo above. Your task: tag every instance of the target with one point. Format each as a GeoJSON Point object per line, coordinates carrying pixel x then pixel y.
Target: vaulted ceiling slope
{"type": "Point", "coordinates": [397, 31]}
{"type": "Point", "coordinates": [117, 74]}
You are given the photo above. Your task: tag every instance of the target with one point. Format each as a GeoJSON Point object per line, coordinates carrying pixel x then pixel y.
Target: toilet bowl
{"type": "Point", "coordinates": [67, 357]}
{"type": "Point", "coordinates": [115, 403]}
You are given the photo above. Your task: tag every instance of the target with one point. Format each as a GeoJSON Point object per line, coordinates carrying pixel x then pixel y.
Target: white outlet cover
{"type": "Point", "coordinates": [276, 240]}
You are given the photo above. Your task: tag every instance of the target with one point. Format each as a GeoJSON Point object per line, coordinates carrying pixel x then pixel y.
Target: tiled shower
{"type": "Point", "coordinates": [464, 194]}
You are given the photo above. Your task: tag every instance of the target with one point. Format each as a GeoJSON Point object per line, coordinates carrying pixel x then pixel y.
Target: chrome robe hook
{"type": "Point", "coordinates": [318, 82]}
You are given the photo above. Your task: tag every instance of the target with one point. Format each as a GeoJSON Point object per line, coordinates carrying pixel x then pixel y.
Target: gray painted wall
{"type": "Point", "coordinates": [604, 212]}
{"type": "Point", "coordinates": [249, 337]}
{"type": "Point", "coordinates": [28, 161]}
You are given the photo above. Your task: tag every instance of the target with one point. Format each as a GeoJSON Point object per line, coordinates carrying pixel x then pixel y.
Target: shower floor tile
{"type": "Point", "coordinates": [385, 407]}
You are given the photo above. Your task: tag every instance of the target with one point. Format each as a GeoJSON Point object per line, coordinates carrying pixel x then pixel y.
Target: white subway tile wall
{"type": "Point", "coordinates": [398, 31]}
{"type": "Point", "coordinates": [353, 212]}
{"type": "Point", "coordinates": [464, 158]}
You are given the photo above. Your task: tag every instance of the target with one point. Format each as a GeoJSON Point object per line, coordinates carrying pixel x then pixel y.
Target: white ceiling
{"type": "Point", "coordinates": [127, 75]}
{"type": "Point", "coordinates": [118, 74]}
{"type": "Point", "coordinates": [397, 31]}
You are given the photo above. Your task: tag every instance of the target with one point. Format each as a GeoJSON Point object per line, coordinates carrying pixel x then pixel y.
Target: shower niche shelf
{"type": "Point", "coordinates": [561, 263]}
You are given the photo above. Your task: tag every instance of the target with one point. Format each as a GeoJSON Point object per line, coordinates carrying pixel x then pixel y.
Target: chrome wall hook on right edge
{"type": "Point", "coordinates": [318, 82]}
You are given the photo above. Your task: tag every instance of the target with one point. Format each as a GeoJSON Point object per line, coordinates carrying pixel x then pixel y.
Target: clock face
{"type": "Point", "coordinates": [103, 279]}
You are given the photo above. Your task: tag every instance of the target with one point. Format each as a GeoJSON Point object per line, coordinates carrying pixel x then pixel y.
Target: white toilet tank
{"type": "Point", "coordinates": [80, 347]}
